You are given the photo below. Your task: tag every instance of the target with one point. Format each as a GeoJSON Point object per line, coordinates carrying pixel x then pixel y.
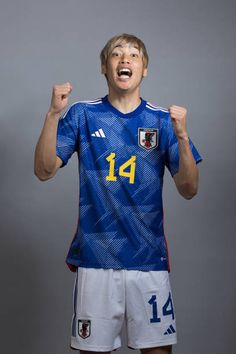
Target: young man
{"type": "Point", "coordinates": [119, 250]}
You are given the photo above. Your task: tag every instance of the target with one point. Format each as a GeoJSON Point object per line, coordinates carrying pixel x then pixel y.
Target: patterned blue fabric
{"type": "Point", "coordinates": [122, 158]}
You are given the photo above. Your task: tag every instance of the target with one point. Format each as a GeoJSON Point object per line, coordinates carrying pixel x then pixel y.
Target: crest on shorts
{"type": "Point", "coordinates": [148, 138]}
{"type": "Point", "coordinates": [84, 328]}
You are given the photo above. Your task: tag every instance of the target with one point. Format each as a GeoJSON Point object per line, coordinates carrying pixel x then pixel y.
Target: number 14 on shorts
{"type": "Point", "coordinates": [167, 308]}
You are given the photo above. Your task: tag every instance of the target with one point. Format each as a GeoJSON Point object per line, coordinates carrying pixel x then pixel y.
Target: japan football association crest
{"type": "Point", "coordinates": [148, 138]}
{"type": "Point", "coordinates": [84, 328]}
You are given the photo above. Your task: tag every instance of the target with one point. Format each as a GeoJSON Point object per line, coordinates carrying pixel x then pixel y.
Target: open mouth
{"type": "Point", "coordinates": [124, 73]}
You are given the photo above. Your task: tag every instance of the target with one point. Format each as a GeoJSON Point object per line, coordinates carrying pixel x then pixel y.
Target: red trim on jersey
{"type": "Point", "coordinates": [72, 267]}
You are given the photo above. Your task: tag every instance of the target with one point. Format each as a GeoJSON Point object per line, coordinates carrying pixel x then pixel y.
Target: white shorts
{"type": "Point", "coordinates": [105, 298]}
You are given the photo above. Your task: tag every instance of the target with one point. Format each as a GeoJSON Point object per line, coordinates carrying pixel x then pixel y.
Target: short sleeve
{"type": "Point", "coordinates": [67, 135]}
{"type": "Point", "coordinates": [172, 148]}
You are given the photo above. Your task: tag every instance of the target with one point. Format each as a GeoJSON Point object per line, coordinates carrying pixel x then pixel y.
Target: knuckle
{"type": "Point", "coordinates": [56, 88]}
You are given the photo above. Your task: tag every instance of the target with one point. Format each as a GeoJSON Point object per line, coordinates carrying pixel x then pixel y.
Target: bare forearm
{"type": "Point", "coordinates": [45, 152]}
{"type": "Point", "coordinates": [46, 161]}
{"type": "Point", "coordinates": [187, 177]}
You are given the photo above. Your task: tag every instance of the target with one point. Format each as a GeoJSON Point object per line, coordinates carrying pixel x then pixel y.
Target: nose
{"type": "Point", "coordinates": [124, 59]}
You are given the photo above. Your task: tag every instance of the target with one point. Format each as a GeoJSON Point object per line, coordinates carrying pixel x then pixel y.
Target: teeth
{"type": "Point", "coordinates": [124, 71]}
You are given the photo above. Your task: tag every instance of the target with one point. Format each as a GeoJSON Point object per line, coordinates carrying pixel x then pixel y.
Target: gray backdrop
{"type": "Point", "coordinates": [192, 63]}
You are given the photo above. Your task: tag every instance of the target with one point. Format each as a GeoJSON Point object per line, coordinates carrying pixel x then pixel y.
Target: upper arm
{"type": "Point", "coordinates": [185, 188]}
{"type": "Point", "coordinates": [59, 163]}
{"type": "Point", "coordinates": [45, 176]}
{"type": "Point", "coordinates": [179, 180]}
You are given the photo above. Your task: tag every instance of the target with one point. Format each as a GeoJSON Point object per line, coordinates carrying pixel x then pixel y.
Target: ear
{"type": "Point", "coordinates": [145, 72]}
{"type": "Point", "coordinates": [103, 69]}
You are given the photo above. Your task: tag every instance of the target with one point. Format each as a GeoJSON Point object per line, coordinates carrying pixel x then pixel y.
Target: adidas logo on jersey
{"type": "Point", "coordinates": [170, 330]}
{"type": "Point", "coordinates": [99, 134]}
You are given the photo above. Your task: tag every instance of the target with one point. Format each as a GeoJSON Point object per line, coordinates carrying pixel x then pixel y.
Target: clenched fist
{"type": "Point", "coordinates": [60, 94]}
{"type": "Point", "coordinates": [179, 117]}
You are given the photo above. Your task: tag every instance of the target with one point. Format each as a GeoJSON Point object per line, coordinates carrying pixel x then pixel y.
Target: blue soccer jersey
{"type": "Point", "coordinates": [122, 158]}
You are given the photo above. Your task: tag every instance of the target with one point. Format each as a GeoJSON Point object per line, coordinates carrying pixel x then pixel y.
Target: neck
{"type": "Point", "coordinates": [125, 103]}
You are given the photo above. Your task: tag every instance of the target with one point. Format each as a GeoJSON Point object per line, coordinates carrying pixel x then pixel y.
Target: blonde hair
{"type": "Point", "coordinates": [127, 38]}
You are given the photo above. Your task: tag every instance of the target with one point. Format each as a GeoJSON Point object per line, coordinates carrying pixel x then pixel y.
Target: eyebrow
{"type": "Point", "coordinates": [130, 45]}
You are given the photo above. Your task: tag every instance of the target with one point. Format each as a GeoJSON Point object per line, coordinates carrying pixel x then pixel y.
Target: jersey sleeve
{"type": "Point", "coordinates": [172, 149]}
{"type": "Point", "coordinates": [67, 135]}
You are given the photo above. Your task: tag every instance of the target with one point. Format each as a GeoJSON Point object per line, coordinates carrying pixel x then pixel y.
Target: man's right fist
{"type": "Point", "coordinates": [60, 94]}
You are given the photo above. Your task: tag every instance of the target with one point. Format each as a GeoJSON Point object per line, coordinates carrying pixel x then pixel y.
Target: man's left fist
{"type": "Point", "coordinates": [179, 120]}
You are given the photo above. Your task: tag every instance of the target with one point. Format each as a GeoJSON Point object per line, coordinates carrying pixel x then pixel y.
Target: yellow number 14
{"type": "Point", "coordinates": [129, 174]}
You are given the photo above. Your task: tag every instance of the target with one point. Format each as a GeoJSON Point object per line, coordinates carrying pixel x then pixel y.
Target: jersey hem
{"type": "Point", "coordinates": [102, 266]}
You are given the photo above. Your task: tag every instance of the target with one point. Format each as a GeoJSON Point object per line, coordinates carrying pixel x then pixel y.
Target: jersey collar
{"type": "Point", "coordinates": [134, 113]}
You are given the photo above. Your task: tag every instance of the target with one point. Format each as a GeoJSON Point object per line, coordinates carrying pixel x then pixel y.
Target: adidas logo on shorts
{"type": "Point", "coordinates": [170, 330]}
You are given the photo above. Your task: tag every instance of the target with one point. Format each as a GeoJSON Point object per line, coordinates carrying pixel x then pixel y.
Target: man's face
{"type": "Point", "coordinates": [124, 68]}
